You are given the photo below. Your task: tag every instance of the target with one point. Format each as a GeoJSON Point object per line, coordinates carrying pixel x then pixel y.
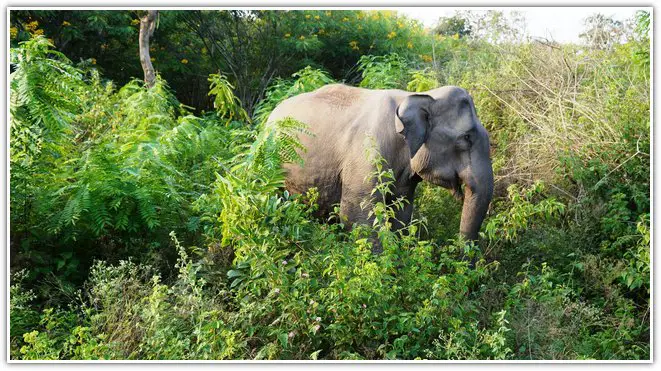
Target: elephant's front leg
{"type": "Point", "coordinates": [403, 215]}
{"type": "Point", "coordinates": [356, 206]}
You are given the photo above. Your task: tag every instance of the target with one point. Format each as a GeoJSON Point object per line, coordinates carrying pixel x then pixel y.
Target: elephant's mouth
{"type": "Point", "coordinates": [457, 190]}
{"type": "Point", "coordinates": [454, 185]}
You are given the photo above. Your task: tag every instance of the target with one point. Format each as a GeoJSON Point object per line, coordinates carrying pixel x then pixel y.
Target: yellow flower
{"type": "Point", "coordinates": [328, 13]}
{"type": "Point", "coordinates": [302, 37]}
{"type": "Point", "coordinates": [409, 45]}
{"type": "Point", "coordinates": [321, 31]}
{"type": "Point", "coordinates": [93, 60]}
{"type": "Point", "coordinates": [135, 21]}
{"type": "Point", "coordinates": [32, 25]}
{"type": "Point", "coordinates": [184, 61]}
{"type": "Point", "coordinates": [39, 32]}
{"type": "Point", "coordinates": [354, 45]}
{"type": "Point", "coordinates": [204, 51]}
{"type": "Point", "coordinates": [400, 25]}
{"type": "Point", "coordinates": [287, 34]}
{"type": "Point", "coordinates": [152, 59]}
{"type": "Point", "coordinates": [65, 23]}
{"type": "Point", "coordinates": [104, 46]}
{"type": "Point", "coordinates": [307, 16]}
{"type": "Point", "coordinates": [426, 58]}
{"type": "Point", "coordinates": [316, 17]}
{"type": "Point", "coordinates": [455, 36]}
{"type": "Point", "coordinates": [13, 32]}
{"type": "Point", "coordinates": [345, 19]}
{"type": "Point", "coordinates": [392, 34]}
{"type": "Point", "coordinates": [360, 27]}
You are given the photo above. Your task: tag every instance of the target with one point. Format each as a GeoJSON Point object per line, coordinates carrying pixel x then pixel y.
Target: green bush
{"type": "Point", "coordinates": [99, 173]}
{"type": "Point", "coordinates": [299, 289]}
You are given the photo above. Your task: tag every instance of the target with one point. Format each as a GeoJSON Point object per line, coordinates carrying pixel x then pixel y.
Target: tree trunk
{"type": "Point", "coordinates": [147, 26]}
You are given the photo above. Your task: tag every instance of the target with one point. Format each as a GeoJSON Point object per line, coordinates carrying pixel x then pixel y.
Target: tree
{"type": "Point", "coordinates": [495, 26]}
{"type": "Point", "coordinates": [242, 44]}
{"type": "Point", "coordinates": [601, 32]}
{"type": "Point", "coordinates": [103, 39]}
{"type": "Point", "coordinates": [250, 47]}
{"type": "Point", "coordinates": [455, 25]}
{"type": "Point", "coordinates": [147, 26]}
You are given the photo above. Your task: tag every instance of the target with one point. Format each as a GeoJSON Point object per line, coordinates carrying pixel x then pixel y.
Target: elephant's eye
{"type": "Point", "coordinates": [467, 140]}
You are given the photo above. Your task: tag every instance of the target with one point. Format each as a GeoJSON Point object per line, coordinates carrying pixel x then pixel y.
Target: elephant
{"type": "Point", "coordinates": [434, 136]}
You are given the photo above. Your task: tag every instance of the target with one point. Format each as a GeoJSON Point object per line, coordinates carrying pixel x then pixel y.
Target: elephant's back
{"type": "Point", "coordinates": [338, 95]}
{"type": "Point", "coordinates": [340, 117]}
{"type": "Point", "coordinates": [314, 108]}
{"type": "Point", "coordinates": [328, 113]}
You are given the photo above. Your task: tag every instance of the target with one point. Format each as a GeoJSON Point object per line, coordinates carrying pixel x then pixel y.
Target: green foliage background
{"type": "Point", "coordinates": [147, 228]}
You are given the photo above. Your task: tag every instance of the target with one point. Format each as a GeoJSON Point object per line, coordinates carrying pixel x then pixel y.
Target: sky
{"type": "Point", "coordinates": [562, 24]}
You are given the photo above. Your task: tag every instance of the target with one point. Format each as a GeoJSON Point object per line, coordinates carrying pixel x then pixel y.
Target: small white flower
{"type": "Point", "coordinates": [284, 262]}
{"type": "Point", "coordinates": [318, 319]}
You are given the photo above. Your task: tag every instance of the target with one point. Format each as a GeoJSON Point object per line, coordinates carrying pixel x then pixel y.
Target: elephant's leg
{"type": "Point", "coordinates": [327, 183]}
{"type": "Point", "coordinates": [351, 211]}
{"type": "Point", "coordinates": [350, 206]}
{"type": "Point", "coordinates": [403, 216]}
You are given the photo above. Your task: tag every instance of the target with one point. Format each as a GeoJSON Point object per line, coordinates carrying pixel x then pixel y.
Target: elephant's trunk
{"type": "Point", "coordinates": [478, 193]}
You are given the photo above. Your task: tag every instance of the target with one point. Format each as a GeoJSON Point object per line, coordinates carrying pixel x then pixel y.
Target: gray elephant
{"type": "Point", "coordinates": [434, 136]}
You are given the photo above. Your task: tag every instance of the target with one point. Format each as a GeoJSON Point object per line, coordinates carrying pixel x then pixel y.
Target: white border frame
{"type": "Point", "coordinates": [345, 5]}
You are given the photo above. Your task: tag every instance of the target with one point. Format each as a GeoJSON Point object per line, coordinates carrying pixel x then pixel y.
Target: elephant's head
{"type": "Point", "coordinates": [449, 146]}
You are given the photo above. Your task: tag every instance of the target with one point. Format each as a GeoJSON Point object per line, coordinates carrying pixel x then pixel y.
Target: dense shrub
{"type": "Point", "coordinates": [298, 289]}
{"type": "Point", "coordinates": [106, 173]}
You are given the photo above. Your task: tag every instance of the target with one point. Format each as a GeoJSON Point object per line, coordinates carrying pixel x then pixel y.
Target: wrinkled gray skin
{"type": "Point", "coordinates": [433, 136]}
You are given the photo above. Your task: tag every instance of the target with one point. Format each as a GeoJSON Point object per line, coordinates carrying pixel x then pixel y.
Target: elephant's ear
{"type": "Point", "coordinates": [412, 120]}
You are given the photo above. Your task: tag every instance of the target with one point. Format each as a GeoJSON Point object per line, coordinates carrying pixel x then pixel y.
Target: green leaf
{"type": "Point", "coordinates": [314, 355]}
{"type": "Point", "coordinates": [284, 338]}
{"type": "Point", "coordinates": [234, 273]}
{"type": "Point", "coordinates": [236, 282]}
